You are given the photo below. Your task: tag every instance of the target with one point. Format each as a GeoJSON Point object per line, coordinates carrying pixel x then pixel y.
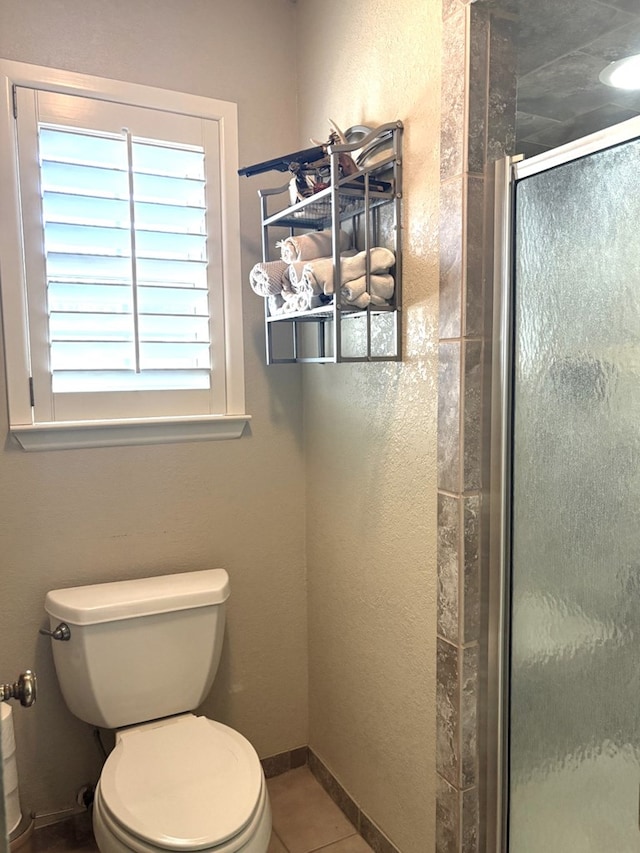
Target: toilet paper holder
{"type": "Point", "coordinates": [24, 689]}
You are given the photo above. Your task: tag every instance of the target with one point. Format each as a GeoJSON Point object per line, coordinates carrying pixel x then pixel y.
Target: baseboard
{"type": "Point", "coordinates": [274, 765]}
{"type": "Point", "coordinates": [64, 833]}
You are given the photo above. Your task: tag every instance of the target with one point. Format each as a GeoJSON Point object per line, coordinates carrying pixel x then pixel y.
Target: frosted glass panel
{"type": "Point", "coordinates": [575, 677]}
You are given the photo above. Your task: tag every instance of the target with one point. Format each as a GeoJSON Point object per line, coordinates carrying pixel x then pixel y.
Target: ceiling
{"type": "Point", "coordinates": [563, 46]}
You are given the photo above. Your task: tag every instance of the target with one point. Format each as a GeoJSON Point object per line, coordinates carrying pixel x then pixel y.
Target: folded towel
{"type": "Point", "coordinates": [315, 244]}
{"type": "Point", "coordinates": [318, 274]}
{"type": "Point", "coordinates": [380, 285]}
{"type": "Point", "coordinates": [366, 299]}
{"type": "Point", "coordinates": [267, 278]}
{"type": "Point", "coordinates": [361, 301]}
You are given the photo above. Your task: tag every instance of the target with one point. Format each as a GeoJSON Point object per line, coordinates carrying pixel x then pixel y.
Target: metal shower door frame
{"type": "Point", "coordinates": [495, 751]}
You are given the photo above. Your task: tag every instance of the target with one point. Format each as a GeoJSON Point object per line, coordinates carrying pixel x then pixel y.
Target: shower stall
{"type": "Point", "coordinates": [563, 751]}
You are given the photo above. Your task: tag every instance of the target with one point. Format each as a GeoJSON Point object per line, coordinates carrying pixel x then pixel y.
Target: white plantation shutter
{"type": "Point", "coordinates": [123, 260]}
{"type": "Point", "coordinates": [125, 242]}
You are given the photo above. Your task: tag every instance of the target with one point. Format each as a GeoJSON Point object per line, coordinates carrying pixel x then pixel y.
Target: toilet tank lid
{"type": "Point", "coordinates": [107, 602]}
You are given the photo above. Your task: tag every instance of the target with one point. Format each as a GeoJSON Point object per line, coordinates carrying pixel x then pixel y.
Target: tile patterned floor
{"type": "Point", "coordinates": [305, 819]}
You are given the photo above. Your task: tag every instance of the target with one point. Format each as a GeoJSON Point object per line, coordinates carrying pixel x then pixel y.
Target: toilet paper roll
{"type": "Point", "coordinates": [6, 725]}
{"type": "Point", "coordinates": [9, 768]}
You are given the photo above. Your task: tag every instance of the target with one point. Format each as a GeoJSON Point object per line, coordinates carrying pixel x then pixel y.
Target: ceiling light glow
{"type": "Point", "coordinates": [623, 74]}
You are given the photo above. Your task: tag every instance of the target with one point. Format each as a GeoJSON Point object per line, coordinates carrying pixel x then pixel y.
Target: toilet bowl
{"type": "Point", "coordinates": [184, 784]}
{"type": "Point", "coordinates": [141, 655]}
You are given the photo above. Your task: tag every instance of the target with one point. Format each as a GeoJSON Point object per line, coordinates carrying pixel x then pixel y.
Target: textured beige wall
{"type": "Point", "coordinates": [80, 516]}
{"type": "Point", "coordinates": [370, 439]}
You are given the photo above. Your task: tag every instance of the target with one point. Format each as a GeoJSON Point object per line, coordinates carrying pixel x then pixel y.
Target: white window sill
{"type": "Point", "coordinates": [77, 434]}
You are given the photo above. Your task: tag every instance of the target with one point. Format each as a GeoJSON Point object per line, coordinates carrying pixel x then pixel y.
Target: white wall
{"type": "Point", "coordinates": [370, 436]}
{"type": "Point", "coordinates": [80, 516]}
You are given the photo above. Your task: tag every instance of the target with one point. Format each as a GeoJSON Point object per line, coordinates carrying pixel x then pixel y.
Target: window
{"type": "Point", "coordinates": [119, 267]}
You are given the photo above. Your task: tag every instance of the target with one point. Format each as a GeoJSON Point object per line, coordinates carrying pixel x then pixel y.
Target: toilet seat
{"type": "Point", "coordinates": [187, 783]}
{"type": "Point", "coordinates": [112, 838]}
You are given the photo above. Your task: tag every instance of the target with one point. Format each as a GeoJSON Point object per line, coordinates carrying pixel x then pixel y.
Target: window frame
{"type": "Point", "coordinates": [33, 435]}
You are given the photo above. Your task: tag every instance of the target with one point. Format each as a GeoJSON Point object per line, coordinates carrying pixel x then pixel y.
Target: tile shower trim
{"type": "Point", "coordinates": [478, 109]}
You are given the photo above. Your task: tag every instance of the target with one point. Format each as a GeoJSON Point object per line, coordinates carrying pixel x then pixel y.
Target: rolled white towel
{"type": "Point", "coordinates": [267, 277]}
{"type": "Point", "coordinates": [276, 304]}
{"type": "Point", "coordinates": [315, 244]}
{"type": "Point", "coordinates": [381, 285]}
{"type": "Point", "coordinates": [290, 301]}
{"type": "Point", "coordinates": [295, 302]}
{"type": "Point", "coordinates": [312, 300]}
{"type": "Point", "coordinates": [293, 305]}
{"type": "Point", "coordinates": [318, 274]}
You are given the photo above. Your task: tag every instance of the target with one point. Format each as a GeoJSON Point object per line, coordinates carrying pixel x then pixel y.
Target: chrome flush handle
{"type": "Point", "coordinates": [62, 632]}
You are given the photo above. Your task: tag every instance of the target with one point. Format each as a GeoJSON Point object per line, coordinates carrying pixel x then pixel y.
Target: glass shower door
{"type": "Point", "coordinates": [574, 709]}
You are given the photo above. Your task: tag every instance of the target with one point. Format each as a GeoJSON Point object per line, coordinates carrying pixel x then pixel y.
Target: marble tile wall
{"type": "Point", "coordinates": [478, 127]}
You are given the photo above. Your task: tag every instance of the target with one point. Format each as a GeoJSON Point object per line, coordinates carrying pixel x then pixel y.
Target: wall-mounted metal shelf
{"type": "Point", "coordinates": [368, 206]}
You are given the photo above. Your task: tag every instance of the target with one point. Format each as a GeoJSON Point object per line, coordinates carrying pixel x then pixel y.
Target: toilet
{"type": "Point", "coordinates": [140, 656]}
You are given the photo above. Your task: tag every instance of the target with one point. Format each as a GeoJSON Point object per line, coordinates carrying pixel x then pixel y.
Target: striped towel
{"type": "Point", "coordinates": [267, 277]}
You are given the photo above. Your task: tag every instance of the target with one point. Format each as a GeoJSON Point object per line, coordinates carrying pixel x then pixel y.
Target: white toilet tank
{"type": "Point", "coordinates": [139, 649]}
